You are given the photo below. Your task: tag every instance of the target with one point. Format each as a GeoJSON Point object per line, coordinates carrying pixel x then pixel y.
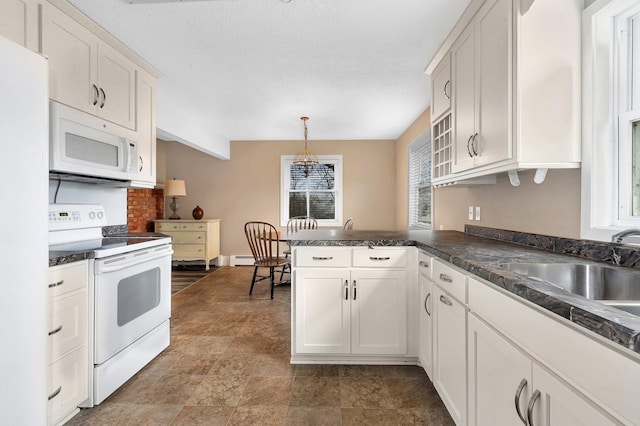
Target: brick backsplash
{"type": "Point", "coordinates": [143, 207]}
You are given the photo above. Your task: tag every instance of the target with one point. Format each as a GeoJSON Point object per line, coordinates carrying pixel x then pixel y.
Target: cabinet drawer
{"type": "Point", "coordinates": [450, 280]}
{"type": "Point", "coordinates": [67, 324]}
{"type": "Point", "coordinates": [322, 257]}
{"type": "Point", "coordinates": [167, 226]}
{"type": "Point", "coordinates": [193, 226]}
{"type": "Point", "coordinates": [189, 237]}
{"type": "Point", "coordinates": [68, 384]}
{"type": "Point", "coordinates": [379, 258]}
{"type": "Point", "coordinates": [66, 278]}
{"type": "Point", "coordinates": [184, 251]}
{"type": "Point", "coordinates": [424, 264]}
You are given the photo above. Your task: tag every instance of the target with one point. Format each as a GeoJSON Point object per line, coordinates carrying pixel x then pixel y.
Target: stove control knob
{"type": "Point", "coordinates": [92, 215]}
{"type": "Point", "coordinates": [100, 214]}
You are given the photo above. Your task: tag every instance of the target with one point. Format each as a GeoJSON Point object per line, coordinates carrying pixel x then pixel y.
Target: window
{"type": "Point", "coordinates": [420, 189]}
{"type": "Point", "coordinates": [316, 192]}
{"type": "Point", "coordinates": [611, 118]}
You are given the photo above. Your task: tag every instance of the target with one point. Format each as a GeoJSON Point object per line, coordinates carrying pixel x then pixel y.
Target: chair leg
{"type": "Point", "coordinates": [253, 280]}
{"type": "Point", "coordinates": [271, 276]}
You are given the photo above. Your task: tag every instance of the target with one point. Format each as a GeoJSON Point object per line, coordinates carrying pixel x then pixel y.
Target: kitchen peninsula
{"type": "Point", "coordinates": [356, 299]}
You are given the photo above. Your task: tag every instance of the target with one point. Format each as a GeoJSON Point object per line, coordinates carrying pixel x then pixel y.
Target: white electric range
{"type": "Point", "coordinates": [130, 291]}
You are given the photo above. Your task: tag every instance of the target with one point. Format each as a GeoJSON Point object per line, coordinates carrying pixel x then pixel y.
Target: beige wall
{"type": "Point", "coordinates": [419, 126]}
{"type": "Point", "coordinates": [551, 208]}
{"type": "Point", "coordinates": [247, 187]}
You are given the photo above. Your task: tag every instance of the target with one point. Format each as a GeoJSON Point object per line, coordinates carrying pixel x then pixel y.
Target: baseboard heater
{"type": "Point", "coordinates": [241, 260]}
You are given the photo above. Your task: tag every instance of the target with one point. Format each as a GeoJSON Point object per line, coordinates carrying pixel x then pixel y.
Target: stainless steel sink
{"type": "Point", "coordinates": [631, 306]}
{"type": "Point", "coordinates": [596, 282]}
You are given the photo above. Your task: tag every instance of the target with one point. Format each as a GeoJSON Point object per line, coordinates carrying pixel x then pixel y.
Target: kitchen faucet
{"type": "Point", "coordinates": [617, 238]}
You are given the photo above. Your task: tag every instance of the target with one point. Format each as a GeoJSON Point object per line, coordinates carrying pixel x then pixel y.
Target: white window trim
{"type": "Point", "coordinates": [599, 209]}
{"type": "Point", "coordinates": [285, 162]}
{"type": "Point", "coordinates": [417, 144]}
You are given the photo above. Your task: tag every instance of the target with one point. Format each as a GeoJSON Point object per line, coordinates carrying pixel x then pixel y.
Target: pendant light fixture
{"type": "Point", "coordinates": [305, 158]}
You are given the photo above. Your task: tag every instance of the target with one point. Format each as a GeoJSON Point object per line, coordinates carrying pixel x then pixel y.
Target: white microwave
{"type": "Point", "coordinates": [82, 144]}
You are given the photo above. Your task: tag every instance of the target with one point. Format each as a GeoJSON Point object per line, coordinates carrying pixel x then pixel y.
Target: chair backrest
{"type": "Point", "coordinates": [261, 236]}
{"type": "Point", "coordinates": [348, 225]}
{"type": "Point", "coordinates": [297, 223]}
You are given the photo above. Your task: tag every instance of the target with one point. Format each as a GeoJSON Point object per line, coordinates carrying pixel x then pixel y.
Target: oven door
{"type": "Point", "coordinates": [132, 297]}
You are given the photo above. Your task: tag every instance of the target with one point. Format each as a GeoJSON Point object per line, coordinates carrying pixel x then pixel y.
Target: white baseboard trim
{"type": "Point", "coordinates": [240, 260]}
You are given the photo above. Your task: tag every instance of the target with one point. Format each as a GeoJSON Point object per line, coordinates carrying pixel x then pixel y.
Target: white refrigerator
{"type": "Point", "coordinates": [24, 255]}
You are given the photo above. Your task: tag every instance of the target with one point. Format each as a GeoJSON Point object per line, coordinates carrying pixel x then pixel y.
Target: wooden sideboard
{"type": "Point", "coordinates": [192, 239]}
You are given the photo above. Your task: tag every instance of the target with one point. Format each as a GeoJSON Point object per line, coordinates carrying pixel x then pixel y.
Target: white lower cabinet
{"type": "Point", "coordinates": [426, 324]}
{"type": "Point", "coordinates": [507, 387]}
{"type": "Point", "coordinates": [450, 354]}
{"type": "Point", "coordinates": [350, 311]}
{"type": "Point", "coordinates": [352, 303]}
{"type": "Point", "coordinates": [68, 378]}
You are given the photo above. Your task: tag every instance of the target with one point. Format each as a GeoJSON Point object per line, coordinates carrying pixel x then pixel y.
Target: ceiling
{"type": "Point", "coordinates": [249, 69]}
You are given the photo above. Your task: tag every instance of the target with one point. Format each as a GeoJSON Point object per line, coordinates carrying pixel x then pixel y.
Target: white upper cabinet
{"type": "Point", "coordinates": [441, 89]}
{"type": "Point", "coordinates": [85, 72]}
{"type": "Point", "coordinates": [19, 22]}
{"type": "Point", "coordinates": [515, 90]}
{"type": "Point", "coordinates": [146, 128]}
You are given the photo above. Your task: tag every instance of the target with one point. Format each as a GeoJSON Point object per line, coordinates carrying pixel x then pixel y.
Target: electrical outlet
{"type": "Point", "coordinates": [470, 212]}
{"type": "Point", "coordinates": [477, 213]}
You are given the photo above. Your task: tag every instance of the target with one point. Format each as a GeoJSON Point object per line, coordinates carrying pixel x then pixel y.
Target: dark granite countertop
{"type": "Point", "coordinates": [480, 251]}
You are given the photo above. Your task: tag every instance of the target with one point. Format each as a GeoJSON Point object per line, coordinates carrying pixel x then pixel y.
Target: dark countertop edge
{"type": "Point", "coordinates": [614, 325]}
{"type": "Point", "coordinates": [60, 258]}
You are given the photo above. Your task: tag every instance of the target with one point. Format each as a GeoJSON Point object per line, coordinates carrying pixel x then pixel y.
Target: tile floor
{"type": "Point", "coordinates": [228, 364]}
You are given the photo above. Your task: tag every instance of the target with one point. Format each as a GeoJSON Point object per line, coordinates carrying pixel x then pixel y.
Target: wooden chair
{"type": "Point", "coordinates": [265, 247]}
{"type": "Point", "coordinates": [295, 224]}
{"type": "Point", "coordinates": [348, 225]}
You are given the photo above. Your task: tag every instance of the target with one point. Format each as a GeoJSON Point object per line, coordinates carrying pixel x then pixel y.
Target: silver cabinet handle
{"type": "Point", "coordinates": [423, 264]}
{"type": "Point", "coordinates": [96, 94]}
{"type": "Point", "coordinates": [446, 278]}
{"type": "Point", "coordinates": [141, 162]}
{"type": "Point", "coordinates": [445, 300]}
{"type": "Point", "coordinates": [447, 85]}
{"type": "Point", "coordinates": [521, 387]}
{"type": "Point", "coordinates": [322, 258]}
{"type": "Point", "coordinates": [426, 300]}
{"type": "Point", "coordinates": [469, 147]}
{"type": "Point", "coordinates": [103, 97]}
{"type": "Point", "coordinates": [346, 289]}
{"type": "Point", "coordinates": [56, 284]}
{"type": "Point", "coordinates": [532, 403]}
{"type": "Point", "coordinates": [57, 330]}
{"type": "Point", "coordinates": [379, 258]}
{"type": "Point", "coordinates": [355, 290]}
{"type": "Point", "coordinates": [474, 145]}
{"type": "Point", "coordinates": [54, 394]}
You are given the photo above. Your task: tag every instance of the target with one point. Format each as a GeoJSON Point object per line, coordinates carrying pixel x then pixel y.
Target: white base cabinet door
{"type": "Point", "coordinates": [378, 312]}
{"type": "Point", "coordinates": [322, 311]}
{"type": "Point", "coordinates": [426, 325]}
{"type": "Point", "coordinates": [507, 387]}
{"type": "Point", "coordinates": [450, 354]}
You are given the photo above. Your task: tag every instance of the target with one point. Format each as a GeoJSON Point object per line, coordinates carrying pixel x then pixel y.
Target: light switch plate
{"type": "Point", "coordinates": [477, 213]}
{"type": "Point", "coordinates": [470, 212]}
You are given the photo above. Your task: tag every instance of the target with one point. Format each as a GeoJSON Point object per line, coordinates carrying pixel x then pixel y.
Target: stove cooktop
{"type": "Point", "coordinates": [112, 245]}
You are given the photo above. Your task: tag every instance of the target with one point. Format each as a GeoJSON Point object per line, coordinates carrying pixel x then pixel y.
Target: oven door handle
{"type": "Point", "coordinates": [118, 262]}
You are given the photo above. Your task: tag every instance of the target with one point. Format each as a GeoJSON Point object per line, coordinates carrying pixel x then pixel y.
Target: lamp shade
{"type": "Point", "coordinates": [175, 188]}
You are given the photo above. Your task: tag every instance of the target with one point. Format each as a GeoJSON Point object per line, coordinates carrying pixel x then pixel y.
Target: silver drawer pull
{"type": "Point", "coordinates": [375, 258]}
{"type": "Point", "coordinates": [322, 257]}
{"type": "Point", "coordinates": [54, 394]}
{"type": "Point", "coordinates": [446, 278]}
{"type": "Point", "coordinates": [445, 300]}
{"type": "Point", "coordinates": [532, 403]}
{"type": "Point", "coordinates": [57, 330]}
{"type": "Point", "coordinates": [423, 264]}
{"type": "Point", "coordinates": [57, 284]}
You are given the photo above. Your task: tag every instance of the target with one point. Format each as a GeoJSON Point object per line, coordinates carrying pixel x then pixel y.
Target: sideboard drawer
{"type": "Point", "coordinates": [184, 251]}
{"type": "Point", "coordinates": [189, 237]}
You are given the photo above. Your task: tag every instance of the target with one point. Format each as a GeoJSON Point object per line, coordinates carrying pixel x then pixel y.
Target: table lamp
{"type": "Point", "coordinates": [174, 188]}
